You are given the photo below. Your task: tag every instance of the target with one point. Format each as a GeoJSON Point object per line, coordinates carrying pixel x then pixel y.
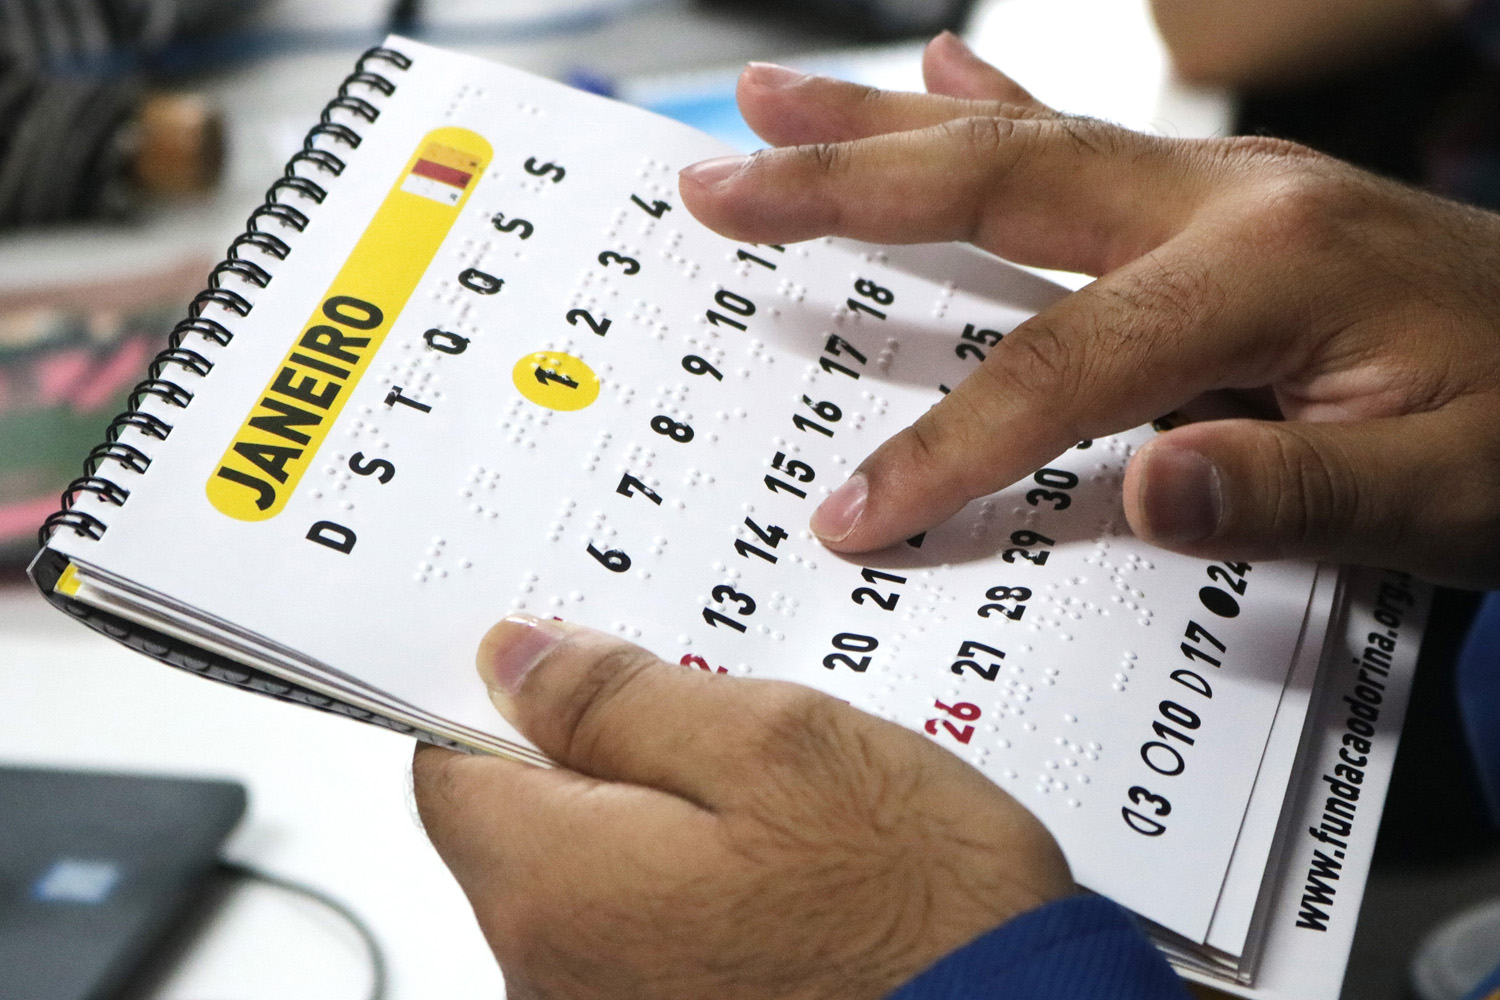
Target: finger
{"type": "Point", "coordinates": [1128, 348]}
{"type": "Point", "coordinates": [950, 67]}
{"type": "Point", "coordinates": [1066, 193]}
{"type": "Point", "coordinates": [1406, 492]}
{"type": "Point", "coordinates": [530, 833]}
{"type": "Point", "coordinates": [611, 710]}
{"type": "Point", "coordinates": [787, 108]}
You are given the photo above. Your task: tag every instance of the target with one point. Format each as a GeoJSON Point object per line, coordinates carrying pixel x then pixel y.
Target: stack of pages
{"type": "Point", "coordinates": [474, 357]}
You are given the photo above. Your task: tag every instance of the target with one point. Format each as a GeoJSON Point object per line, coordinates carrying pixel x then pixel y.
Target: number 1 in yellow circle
{"type": "Point", "coordinates": [555, 380]}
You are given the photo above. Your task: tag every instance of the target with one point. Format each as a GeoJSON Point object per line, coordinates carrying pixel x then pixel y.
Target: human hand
{"type": "Point", "coordinates": [1369, 311]}
{"type": "Point", "coordinates": [714, 836]}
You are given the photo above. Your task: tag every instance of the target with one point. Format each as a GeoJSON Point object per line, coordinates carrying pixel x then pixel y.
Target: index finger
{"type": "Point", "coordinates": [1067, 193]}
{"type": "Point", "coordinates": [786, 108]}
{"type": "Point", "coordinates": [1132, 346]}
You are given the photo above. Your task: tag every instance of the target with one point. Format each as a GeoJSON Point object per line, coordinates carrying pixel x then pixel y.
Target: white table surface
{"type": "Point", "coordinates": [330, 804]}
{"type": "Point", "coordinates": [330, 800]}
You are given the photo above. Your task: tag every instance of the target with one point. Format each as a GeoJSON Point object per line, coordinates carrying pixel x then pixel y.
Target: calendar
{"type": "Point", "coordinates": [473, 357]}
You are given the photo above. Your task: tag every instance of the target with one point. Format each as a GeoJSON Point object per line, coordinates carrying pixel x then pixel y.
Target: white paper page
{"type": "Point", "coordinates": [495, 499]}
{"type": "Point", "coordinates": [1247, 869]}
{"type": "Point", "coordinates": [106, 598]}
{"type": "Point", "coordinates": [1316, 899]}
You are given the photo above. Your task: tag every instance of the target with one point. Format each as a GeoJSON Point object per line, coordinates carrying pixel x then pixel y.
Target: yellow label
{"type": "Point", "coordinates": [279, 439]}
{"type": "Point", "coordinates": [68, 583]}
{"type": "Point", "coordinates": [555, 380]}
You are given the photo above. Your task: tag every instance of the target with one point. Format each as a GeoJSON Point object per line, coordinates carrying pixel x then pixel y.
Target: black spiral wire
{"type": "Point", "coordinates": [270, 247]}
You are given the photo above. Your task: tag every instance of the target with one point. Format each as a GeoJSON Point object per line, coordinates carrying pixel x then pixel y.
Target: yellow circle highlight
{"type": "Point", "coordinates": [555, 380]}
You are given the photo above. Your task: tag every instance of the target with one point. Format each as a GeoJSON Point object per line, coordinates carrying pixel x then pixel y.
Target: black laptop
{"type": "Point", "coordinates": [96, 871]}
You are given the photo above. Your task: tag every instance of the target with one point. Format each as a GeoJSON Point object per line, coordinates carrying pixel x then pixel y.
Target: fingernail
{"type": "Point", "coordinates": [512, 648]}
{"type": "Point", "coordinates": [711, 173]}
{"type": "Point", "coordinates": [837, 516]}
{"type": "Point", "coordinates": [1183, 498]}
{"type": "Point", "coordinates": [954, 41]}
{"type": "Point", "coordinates": [772, 76]}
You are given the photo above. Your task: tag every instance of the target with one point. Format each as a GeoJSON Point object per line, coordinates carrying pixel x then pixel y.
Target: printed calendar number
{"type": "Point", "coordinates": [613, 560]}
{"type": "Point", "coordinates": [824, 409]}
{"type": "Point", "coordinates": [694, 660]}
{"type": "Point", "coordinates": [556, 381]}
{"type": "Point", "coordinates": [1024, 540]}
{"type": "Point", "coordinates": [599, 326]}
{"type": "Point", "coordinates": [963, 711]}
{"type": "Point", "coordinates": [973, 336]}
{"type": "Point", "coordinates": [884, 601]}
{"type": "Point", "coordinates": [1141, 823]}
{"type": "Point", "coordinates": [750, 258]}
{"type": "Point", "coordinates": [851, 642]}
{"type": "Point", "coordinates": [697, 366]}
{"type": "Point", "coordinates": [631, 486]}
{"type": "Point", "coordinates": [628, 264]}
{"type": "Point", "coordinates": [881, 296]}
{"type": "Point", "coordinates": [1057, 498]}
{"type": "Point", "coordinates": [999, 594]}
{"type": "Point", "coordinates": [771, 536]}
{"type": "Point", "coordinates": [795, 468]}
{"type": "Point", "coordinates": [740, 604]}
{"type": "Point", "coordinates": [674, 429]}
{"type": "Point", "coordinates": [878, 294]}
{"type": "Point", "coordinates": [1222, 602]}
{"type": "Point", "coordinates": [1160, 754]}
{"type": "Point", "coordinates": [1195, 634]}
{"type": "Point", "coordinates": [967, 659]}
{"type": "Point", "coordinates": [656, 209]}
{"type": "Point", "coordinates": [1167, 753]}
{"type": "Point", "coordinates": [732, 302]}
{"type": "Point", "coordinates": [838, 347]}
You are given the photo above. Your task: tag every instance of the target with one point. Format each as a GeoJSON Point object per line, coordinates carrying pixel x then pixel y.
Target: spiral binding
{"type": "Point", "coordinates": [249, 273]}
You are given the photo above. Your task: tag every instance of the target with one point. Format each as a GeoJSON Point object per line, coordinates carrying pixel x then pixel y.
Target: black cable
{"type": "Point", "coordinates": [378, 976]}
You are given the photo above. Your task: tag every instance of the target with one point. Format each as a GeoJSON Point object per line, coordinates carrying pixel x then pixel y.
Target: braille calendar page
{"type": "Point", "coordinates": [502, 369]}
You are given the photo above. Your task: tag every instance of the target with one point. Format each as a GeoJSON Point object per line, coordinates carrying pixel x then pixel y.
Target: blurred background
{"type": "Point", "coordinates": [135, 137]}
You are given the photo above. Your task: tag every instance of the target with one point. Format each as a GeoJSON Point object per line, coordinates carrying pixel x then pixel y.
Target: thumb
{"type": "Point", "coordinates": [1395, 492]}
{"type": "Point", "coordinates": [610, 710]}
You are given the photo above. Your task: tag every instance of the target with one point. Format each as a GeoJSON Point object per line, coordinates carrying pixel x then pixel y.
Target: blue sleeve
{"type": "Point", "coordinates": [1479, 698]}
{"type": "Point", "coordinates": [1083, 946]}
